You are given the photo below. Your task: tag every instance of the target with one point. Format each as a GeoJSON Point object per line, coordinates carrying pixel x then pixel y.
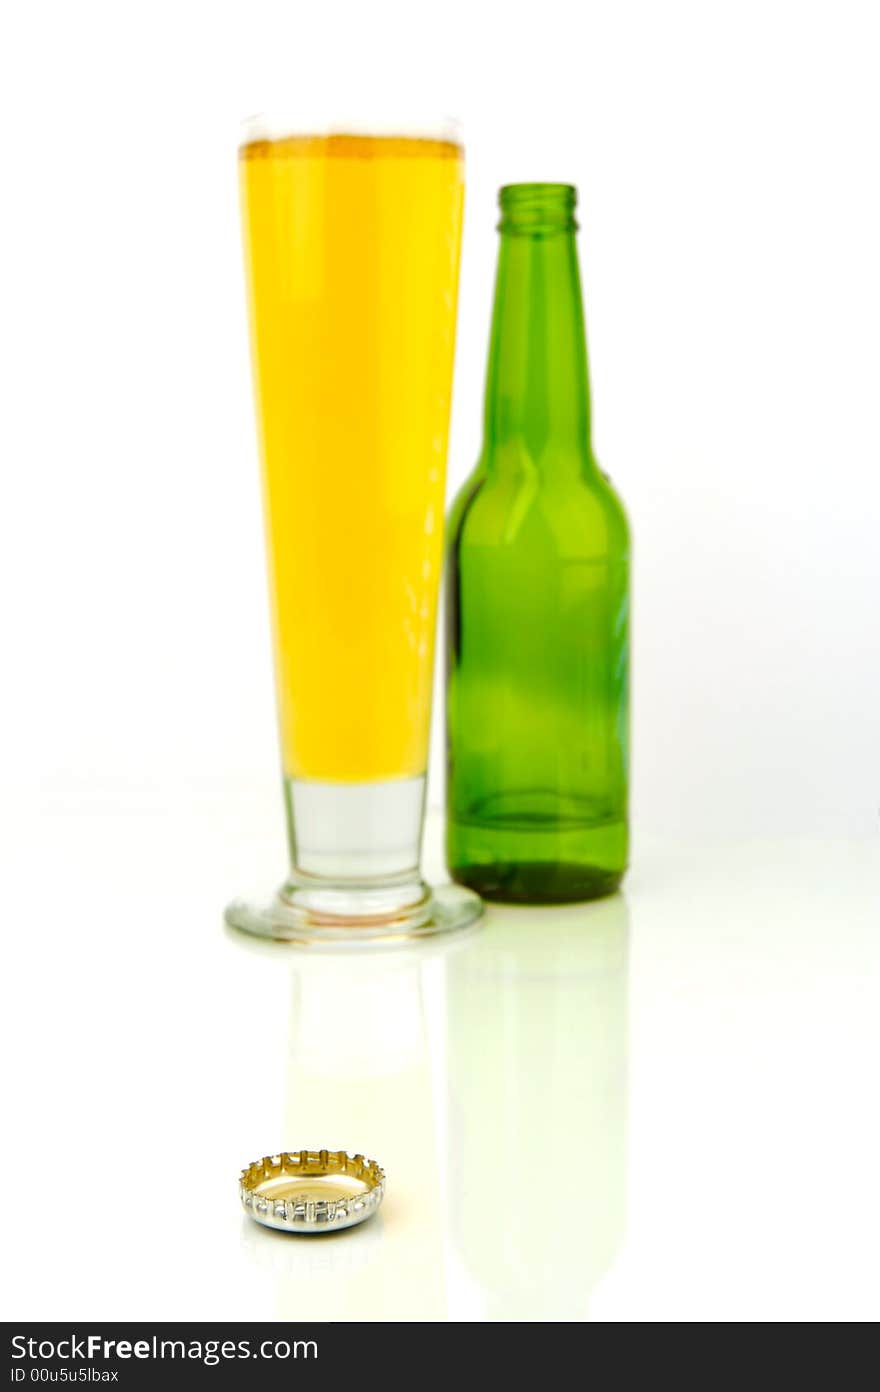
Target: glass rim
{"type": "Point", "coordinates": [283, 124]}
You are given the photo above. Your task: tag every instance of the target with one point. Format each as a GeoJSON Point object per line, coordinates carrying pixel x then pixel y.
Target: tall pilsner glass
{"type": "Point", "coordinates": [352, 250]}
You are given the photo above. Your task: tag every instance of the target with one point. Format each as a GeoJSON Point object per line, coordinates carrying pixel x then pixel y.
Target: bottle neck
{"type": "Point", "coordinates": [537, 388]}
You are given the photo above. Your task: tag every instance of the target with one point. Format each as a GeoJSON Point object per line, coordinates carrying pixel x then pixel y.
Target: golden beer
{"type": "Point", "coordinates": [351, 247]}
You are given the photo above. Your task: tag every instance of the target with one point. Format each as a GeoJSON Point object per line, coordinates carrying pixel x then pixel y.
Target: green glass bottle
{"type": "Point", "coordinates": [537, 596]}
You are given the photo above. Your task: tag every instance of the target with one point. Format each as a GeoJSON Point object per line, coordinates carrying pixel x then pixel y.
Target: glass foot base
{"type": "Point", "coordinates": [388, 913]}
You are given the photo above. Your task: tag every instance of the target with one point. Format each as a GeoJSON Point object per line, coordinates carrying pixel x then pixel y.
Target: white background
{"type": "Point", "coordinates": [726, 157]}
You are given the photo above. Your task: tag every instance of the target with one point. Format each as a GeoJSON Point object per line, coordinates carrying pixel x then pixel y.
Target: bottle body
{"type": "Point", "coordinates": [537, 611]}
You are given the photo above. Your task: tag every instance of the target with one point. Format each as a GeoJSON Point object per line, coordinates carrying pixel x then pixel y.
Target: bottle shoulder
{"type": "Point", "coordinates": [463, 500]}
{"type": "Point", "coordinates": [573, 508]}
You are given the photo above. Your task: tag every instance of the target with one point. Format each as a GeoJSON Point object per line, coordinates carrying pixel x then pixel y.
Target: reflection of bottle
{"type": "Point", "coordinates": [359, 1078]}
{"type": "Point", "coordinates": [537, 596]}
{"type": "Point", "coordinates": [537, 1125]}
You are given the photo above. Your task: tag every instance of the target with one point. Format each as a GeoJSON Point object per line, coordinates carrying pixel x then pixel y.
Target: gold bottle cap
{"type": "Point", "coordinates": [312, 1191]}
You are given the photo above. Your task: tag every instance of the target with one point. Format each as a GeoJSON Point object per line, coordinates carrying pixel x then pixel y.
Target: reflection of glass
{"type": "Point", "coordinates": [352, 246]}
{"type": "Point", "coordinates": [537, 1081]}
{"type": "Point", "coordinates": [359, 1075]}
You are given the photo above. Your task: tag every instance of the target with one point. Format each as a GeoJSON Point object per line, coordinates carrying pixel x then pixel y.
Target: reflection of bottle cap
{"type": "Point", "coordinates": [312, 1191]}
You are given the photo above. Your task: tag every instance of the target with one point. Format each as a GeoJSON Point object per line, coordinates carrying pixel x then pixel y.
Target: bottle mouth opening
{"type": "Point", "coordinates": [537, 207]}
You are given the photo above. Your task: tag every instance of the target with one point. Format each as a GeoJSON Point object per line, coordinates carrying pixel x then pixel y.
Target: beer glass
{"type": "Point", "coordinates": [351, 250]}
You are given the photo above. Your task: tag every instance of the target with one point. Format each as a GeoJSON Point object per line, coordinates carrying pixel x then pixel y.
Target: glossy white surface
{"type": "Point", "coordinates": [730, 214]}
{"type": "Point", "coordinates": [661, 1107]}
